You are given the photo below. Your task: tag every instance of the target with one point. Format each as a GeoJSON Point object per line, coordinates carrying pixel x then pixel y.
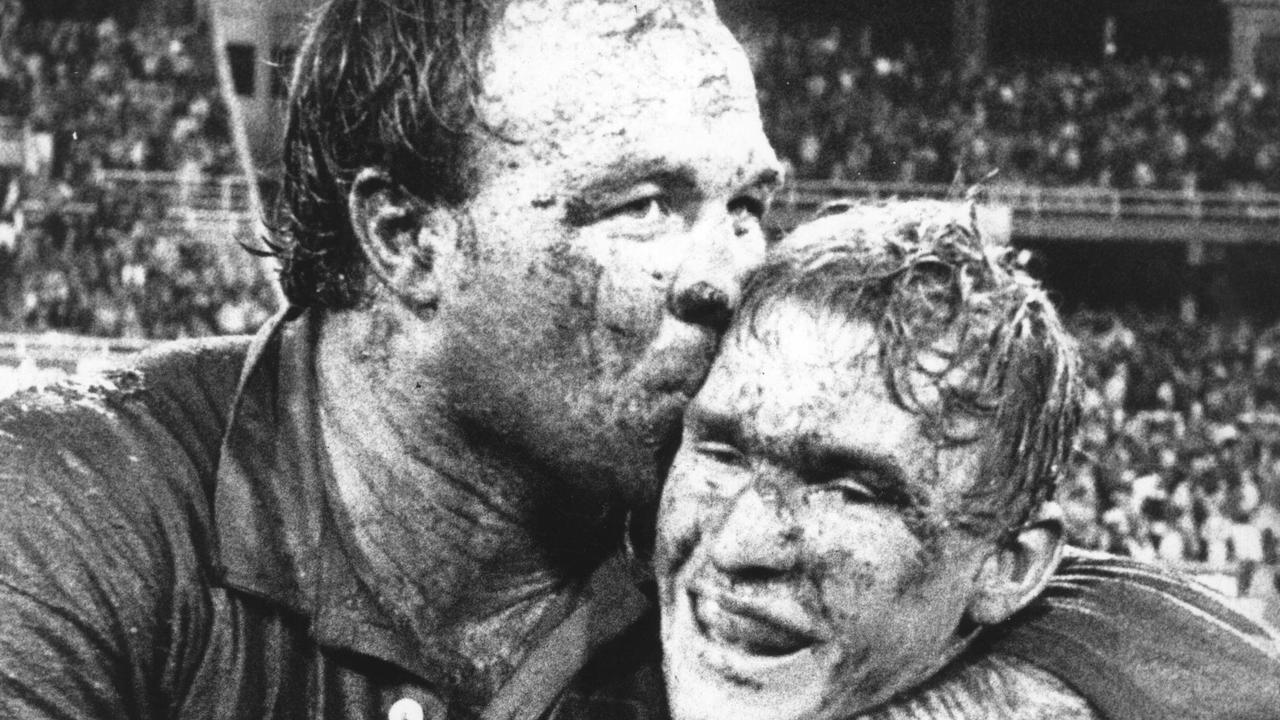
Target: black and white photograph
{"type": "Point", "coordinates": [640, 359]}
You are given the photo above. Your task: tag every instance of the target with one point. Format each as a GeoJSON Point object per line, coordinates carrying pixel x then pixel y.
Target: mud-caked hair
{"type": "Point", "coordinates": [967, 340]}
{"type": "Point", "coordinates": [377, 83]}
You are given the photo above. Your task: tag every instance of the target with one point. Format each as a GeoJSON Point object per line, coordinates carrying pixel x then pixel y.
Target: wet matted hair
{"type": "Point", "coordinates": [377, 83]}
{"type": "Point", "coordinates": [967, 339]}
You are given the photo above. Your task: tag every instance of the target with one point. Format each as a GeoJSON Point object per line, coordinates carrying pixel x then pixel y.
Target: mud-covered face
{"type": "Point", "coordinates": [806, 563]}
{"type": "Point", "coordinates": [629, 166]}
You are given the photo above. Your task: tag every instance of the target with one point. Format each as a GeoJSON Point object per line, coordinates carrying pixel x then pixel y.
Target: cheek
{"type": "Point", "coordinates": [864, 563]}
{"type": "Point", "coordinates": [552, 300]}
{"type": "Point", "coordinates": [630, 295]}
{"type": "Point", "coordinates": [609, 307]}
{"type": "Point", "coordinates": [572, 278]}
{"type": "Point", "coordinates": [683, 518]}
{"type": "Point", "coordinates": [885, 604]}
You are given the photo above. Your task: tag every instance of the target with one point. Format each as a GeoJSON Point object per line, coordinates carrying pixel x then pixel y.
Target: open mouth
{"type": "Point", "coordinates": [748, 653]}
{"type": "Point", "coordinates": [763, 630]}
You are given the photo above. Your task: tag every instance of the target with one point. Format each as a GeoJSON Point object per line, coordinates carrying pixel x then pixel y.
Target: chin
{"type": "Point", "coordinates": [646, 427]}
{"type": "Point", "coordinates": [695, 695]}
{"type": "Point", "coordinates": [711, 680]}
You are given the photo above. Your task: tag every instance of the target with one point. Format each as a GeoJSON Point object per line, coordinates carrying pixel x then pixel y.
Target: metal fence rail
{"type": "Point", "coordinates": [220, 194]}
{"type": "Point", "coordinates": [61, 347]}
{"type": "Point", "coordinates": [230, 194]}
{"type": "Point", "coordinates": [219, 208]}
{"type": "Point", "coordinates": [1037, 202]}
{"type": "Point", "coordinates": [214, 210]}
{"type": "Point", "coordinates": [229, 197]}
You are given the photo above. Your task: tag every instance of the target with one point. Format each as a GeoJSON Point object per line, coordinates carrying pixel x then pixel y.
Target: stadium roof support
{"type": "Point", "coordinates": [1255, 37]}
{"type": "Point", "coordinates": [971, 23]}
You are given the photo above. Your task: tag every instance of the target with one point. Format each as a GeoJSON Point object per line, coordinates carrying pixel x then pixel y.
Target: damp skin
{"type": "Point", "coordinates": [806, 564]}
{"type": "Point", "coordinates": [627, 165]}
{"type": "Point", "coordinates": [622, 163]}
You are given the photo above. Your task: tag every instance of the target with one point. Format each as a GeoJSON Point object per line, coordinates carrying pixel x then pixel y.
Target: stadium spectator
{"type": "Point", "coordinates": [109, 264]}
{"type": "Point", "coordinates": [1182, 461]}
{"type": "Point", "coordinates": [81, 256]}
{"type": "Point", "coordinates": [116, 98]}
{"type": "Point", "coordinates": [838, 112]}
{"type": "Point", "coordinates": [1183, 421]}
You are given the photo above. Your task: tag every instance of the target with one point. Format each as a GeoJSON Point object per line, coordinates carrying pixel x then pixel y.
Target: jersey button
{"type": "Point", "coordinates": [405, 709]}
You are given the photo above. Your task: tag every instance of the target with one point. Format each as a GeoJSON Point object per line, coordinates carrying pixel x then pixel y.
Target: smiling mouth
{"type": "Point", "coordinates": [765, 630]}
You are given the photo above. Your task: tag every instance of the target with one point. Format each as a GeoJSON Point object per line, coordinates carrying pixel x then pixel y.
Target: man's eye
{"type": "Point", "coordinates": [852, 491]}
{"type": "Point", "coordinates": [721, 453]}
{"type": "Point", "coordinates": [650, 207]}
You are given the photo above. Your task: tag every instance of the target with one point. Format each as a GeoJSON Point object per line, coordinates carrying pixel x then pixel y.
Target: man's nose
{"type": "Point", "coordinates": [708, 284]}
{"type": "Point", "coordinates": [704, 302]}
{"type": "Point", "coordinates": [759, 539]}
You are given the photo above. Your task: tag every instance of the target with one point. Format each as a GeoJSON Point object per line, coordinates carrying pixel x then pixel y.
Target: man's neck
{"type": "Point", "coordinates": [449, 530]}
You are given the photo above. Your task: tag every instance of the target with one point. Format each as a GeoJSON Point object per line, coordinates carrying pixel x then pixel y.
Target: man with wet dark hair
{"type": "Point", "coordinates": [379, 84]}
{"type": "Point", "coordinates": [511, 234]}
{"type": "Point", "coordinates": [859, 520]}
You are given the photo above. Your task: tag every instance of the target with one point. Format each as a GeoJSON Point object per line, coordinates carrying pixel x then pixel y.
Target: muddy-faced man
{"type": "Point", "coordinates": [512, 232]}
{"type": "Point", "coordinates": [861, 506]}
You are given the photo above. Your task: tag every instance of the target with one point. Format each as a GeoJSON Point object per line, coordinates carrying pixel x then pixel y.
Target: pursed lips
{"type": "Point", "coordinates": [678, 360]}
{"type": "Point", "coordinates": [772, 625]}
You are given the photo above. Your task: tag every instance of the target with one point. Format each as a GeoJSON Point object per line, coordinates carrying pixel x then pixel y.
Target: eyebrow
{"type": "Point", "coordinates": [716, 425]}
{"type": "Point", "coordinates": [814, 459]}
{"type": "Point", "coordinates": [618, 177]}
{"type": "Point", "coordinates": [820, 461]}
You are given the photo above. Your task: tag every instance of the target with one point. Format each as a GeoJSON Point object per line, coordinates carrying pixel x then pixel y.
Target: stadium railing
{"type": "Point", "coordinates": [230, 194]}
{"type": "Point", "coordinates": [209, 198]}
{"type": "Point", "coordinates": [1254, 214]}
{"type": "Point", "coordinates": [206, 208]}
{"type": "Point", "coordinates": [61, 347]}
{"type": "Point", "coordinates": [210, 207]}
{"type": "Point", "coordinates": [209, 193]}
{"type": "Point", "coordinates": [30, 358]}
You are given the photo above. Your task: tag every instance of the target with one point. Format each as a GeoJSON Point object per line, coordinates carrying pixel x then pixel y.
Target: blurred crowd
{"type": "Point", "coordinates": [78, 254]}
{"type": "Point", "coordinates": [108, 262]}
{"type": "Point", "coordinates": [1179, 456]}
{"type": "Point", "coordinates": [96, 96]}
{"type": "Point", "coordinates": [836, 110]}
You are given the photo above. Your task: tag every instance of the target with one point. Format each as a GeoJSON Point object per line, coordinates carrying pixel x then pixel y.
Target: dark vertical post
{"type": "Point", "coordinates": [971, 22]}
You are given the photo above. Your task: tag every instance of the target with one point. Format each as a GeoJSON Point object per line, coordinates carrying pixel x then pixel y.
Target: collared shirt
{"type": "Point", "coordinates": [168, 549]}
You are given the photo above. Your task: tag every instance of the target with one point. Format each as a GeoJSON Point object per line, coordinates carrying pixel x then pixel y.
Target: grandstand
{"type": "Point", "coordinates": [124, 199]}
{"type": "Point", "coordinates": [1136, 147]}
{"type": "Point", "coordinates": [1143, 172]}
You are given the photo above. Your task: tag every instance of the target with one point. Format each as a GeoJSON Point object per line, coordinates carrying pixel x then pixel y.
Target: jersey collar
{"type": "Point", "coordinates": [279, 538]}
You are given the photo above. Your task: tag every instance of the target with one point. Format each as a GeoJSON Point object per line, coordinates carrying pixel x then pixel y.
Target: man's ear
{"type": "Point", "coordinates": [1019, 568]}
{"type": "Point", "coordinates": [401, 237]}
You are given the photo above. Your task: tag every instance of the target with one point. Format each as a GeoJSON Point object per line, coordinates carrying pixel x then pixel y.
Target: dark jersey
{"type": "Point", "coordinates": [167, 550]}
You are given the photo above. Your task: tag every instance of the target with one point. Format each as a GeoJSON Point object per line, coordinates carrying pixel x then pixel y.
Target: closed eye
{"type": "Point", "coordinates": [721, 452]}
{"type": "Point", "coordinates": [650, 207]}
{"type": "Point", "coordinates": [852, 491]}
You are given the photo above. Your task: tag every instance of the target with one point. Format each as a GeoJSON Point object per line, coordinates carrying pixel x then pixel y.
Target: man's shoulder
{"type": "Point", "coordinates": [171, 399]}
{"type": "Point", "coordinates": [115, 463]}
{"type": "Point", "coordinates": [1139, 641]}
{"type": "Point", "coordinates": [988, 686]}
{"type": "Point", "coordinates": [106, 540]}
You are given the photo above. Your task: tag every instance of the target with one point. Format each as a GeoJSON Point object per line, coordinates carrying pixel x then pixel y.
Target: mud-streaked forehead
{"type": "Point", "coordinates": [557, 66]}
{"type": "Point", "coordinates": [801, 374]}
{"type": "Point", "coordinates": [794, 371]}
